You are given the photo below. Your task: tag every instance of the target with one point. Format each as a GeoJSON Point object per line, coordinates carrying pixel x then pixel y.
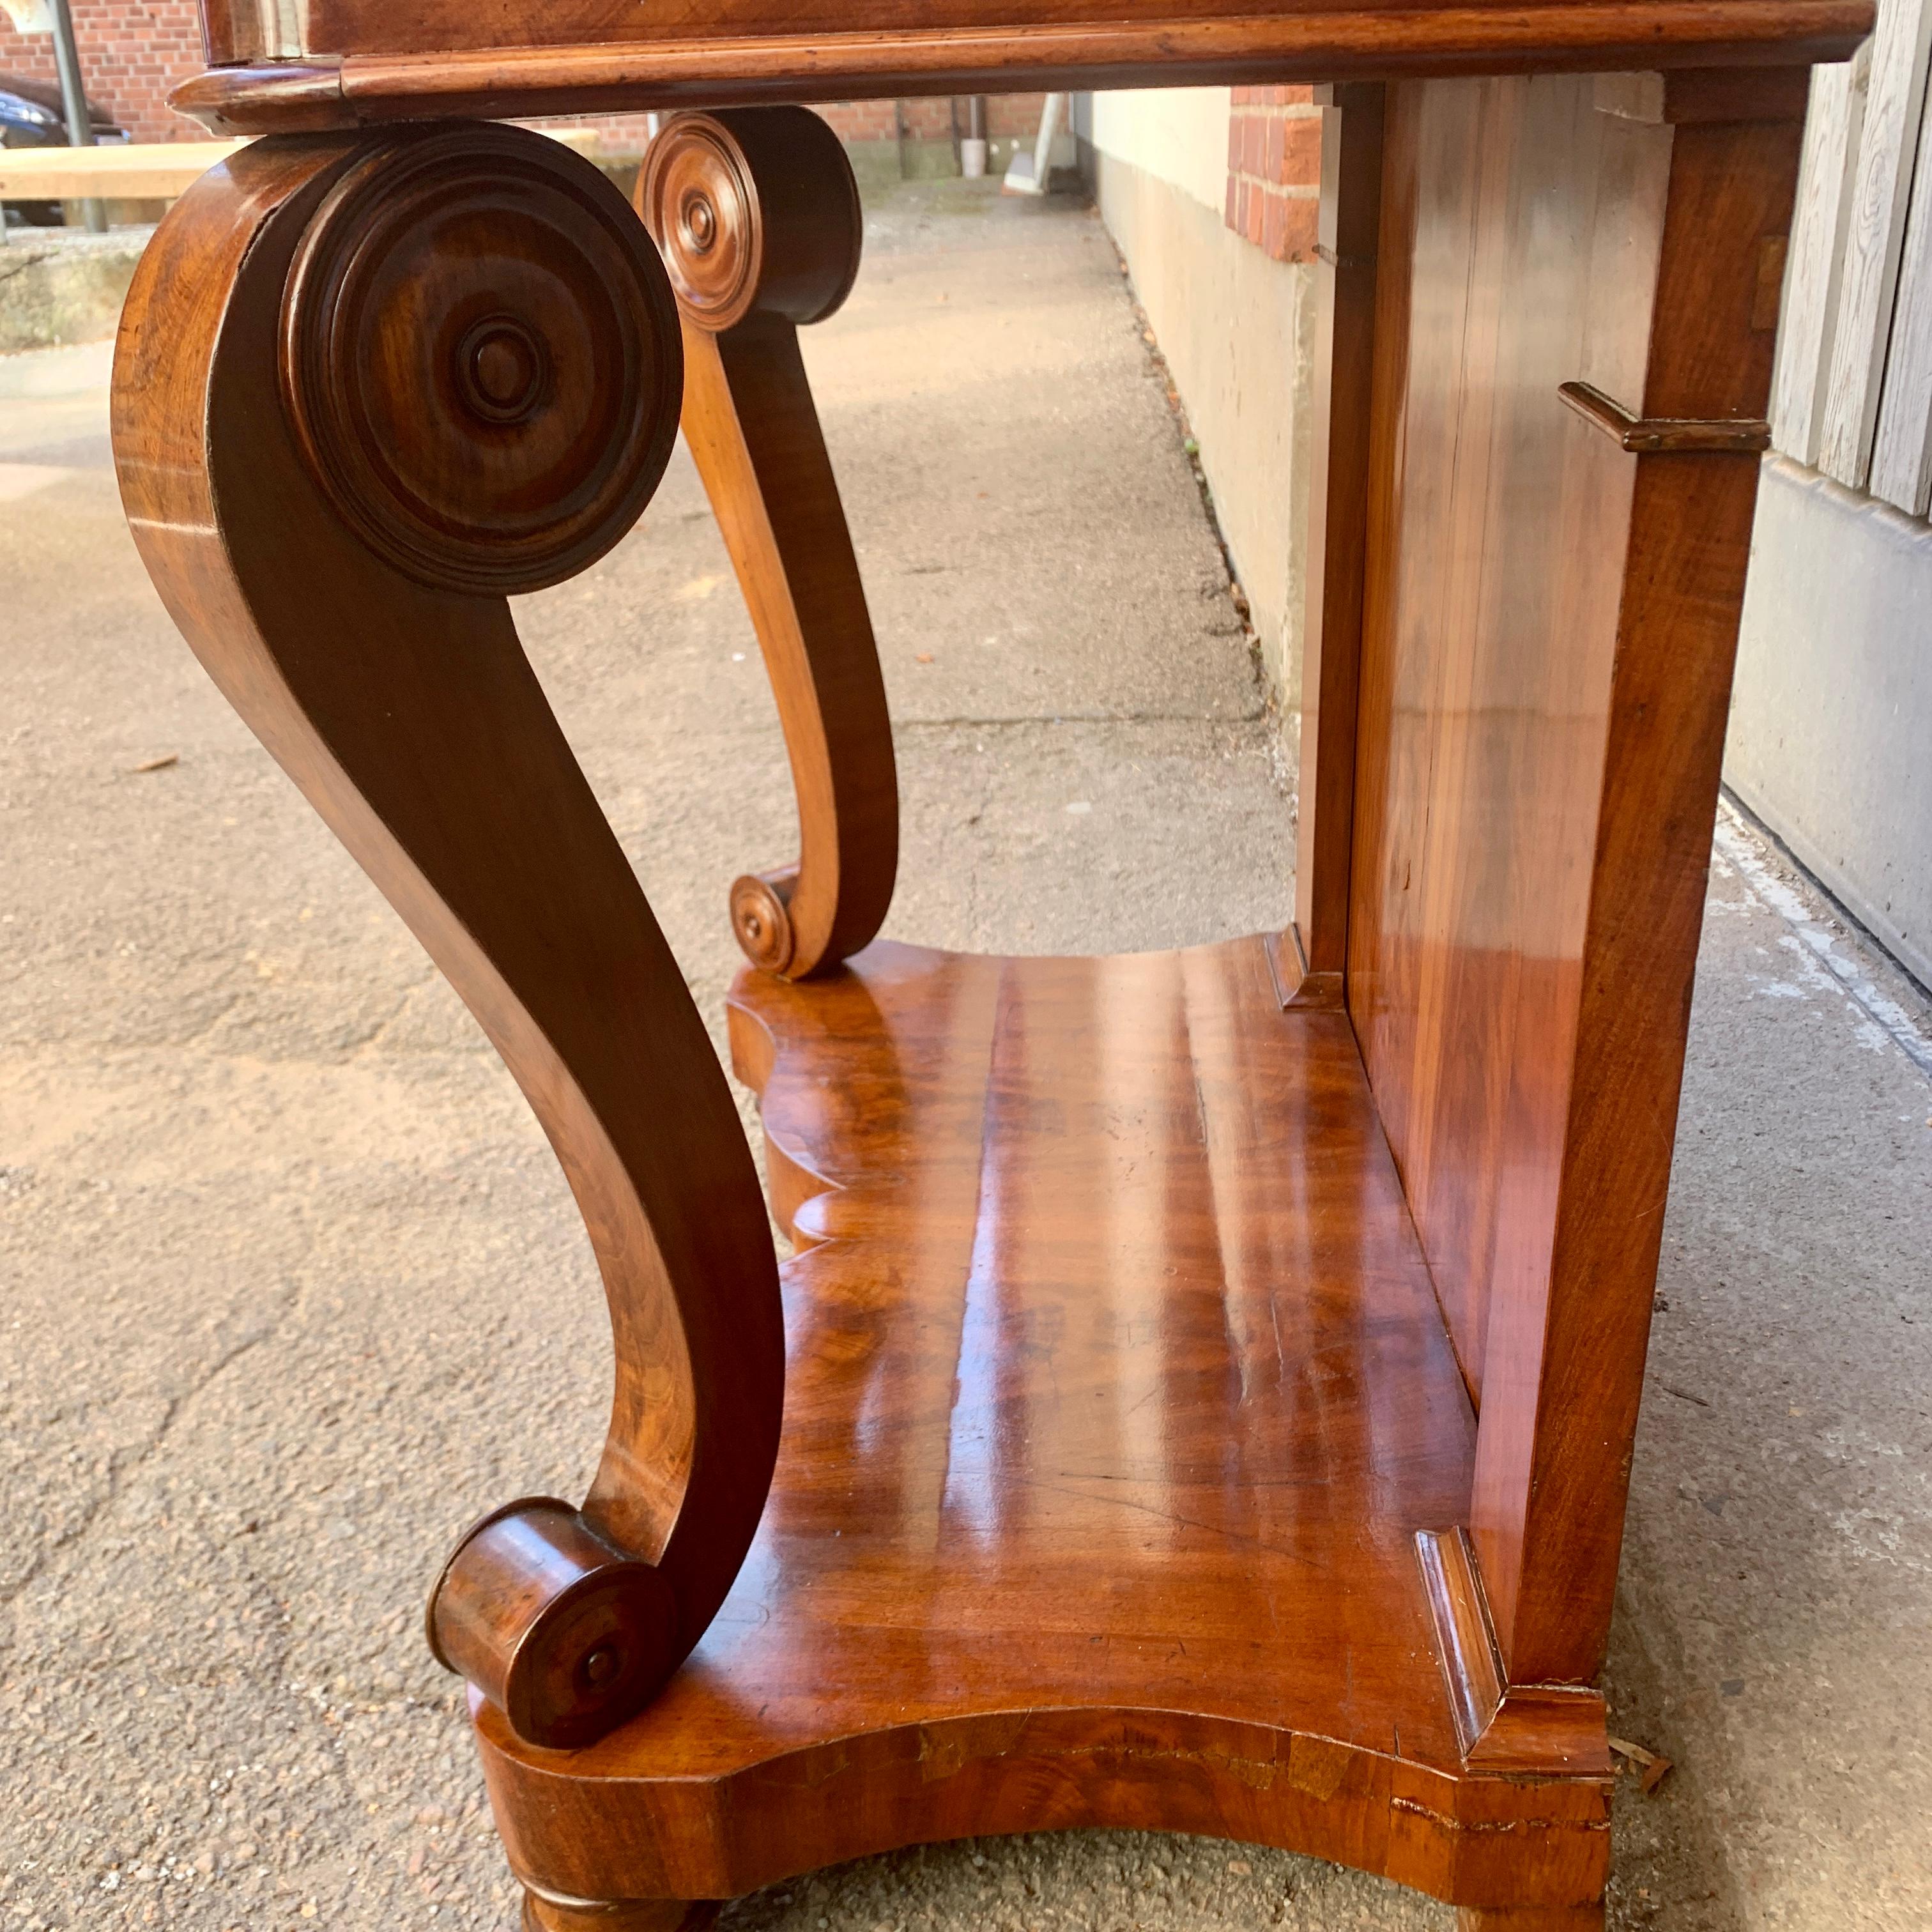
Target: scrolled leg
{"type": "Point", "coordinates": [758, 218]}
{"type": "Point", "coordinates": [563, 1632]}
{"type": "Point", "coordinates": [365, 390]}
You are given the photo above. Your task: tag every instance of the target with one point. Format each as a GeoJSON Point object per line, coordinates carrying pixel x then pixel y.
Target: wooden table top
{"type": "Point", "coordinates": [343, 63]}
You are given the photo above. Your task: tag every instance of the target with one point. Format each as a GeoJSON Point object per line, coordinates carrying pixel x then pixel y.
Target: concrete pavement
{"type": "Point", "coordinates": [290, 1286]}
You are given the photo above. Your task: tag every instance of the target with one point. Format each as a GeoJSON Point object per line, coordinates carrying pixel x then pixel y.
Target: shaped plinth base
{"type": "Point", "coordinates": [1117, 1396]}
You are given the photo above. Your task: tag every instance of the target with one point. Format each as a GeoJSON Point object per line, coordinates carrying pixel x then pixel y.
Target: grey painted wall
{"type": "Point", "coordinates": [1831, 736]}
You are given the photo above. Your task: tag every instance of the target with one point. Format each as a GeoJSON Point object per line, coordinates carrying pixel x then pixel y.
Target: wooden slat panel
{"type": "Point", "coordinates": [157, 171]}
{"type": "Point", "coordinates": [1875, 238]}
{"type": "Point", "coordinates": [1497, 520]}
{"type": "Point", "coordinates": [1817, 258]}
{"type": "Point", "coordinates": [1901, 471]}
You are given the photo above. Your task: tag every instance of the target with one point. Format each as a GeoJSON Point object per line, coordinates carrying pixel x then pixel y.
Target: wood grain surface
{"type": "Point", "coordinates": [1342, 370]}
{"type": "Point", "coordinates": [365, 60]}
{"type": "Point", "coordinates": [1481, 747]}
{"type": "Point", "coordinates": [1547, 1513]}
{"type": "Point", "coordinates": [757, 215]}
{"type": "Point", "coordinates": [1874, 239]}
{"type": "Point", "coordinates": [1550, 624]}
{"type": "Point", "coordinates": [1117, 1395]}
{"type": "Point", "coordinates": [410, 719]}
{"type": "Point", "coordinates": [1141, 1320]}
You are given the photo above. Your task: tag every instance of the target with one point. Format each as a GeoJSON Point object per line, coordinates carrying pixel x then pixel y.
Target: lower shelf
{"type": "Point", "coordinates": [1117, 1396]}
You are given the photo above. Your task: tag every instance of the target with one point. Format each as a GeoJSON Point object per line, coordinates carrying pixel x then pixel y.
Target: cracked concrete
{"type": "Point", "coordinates": [292, 1288]}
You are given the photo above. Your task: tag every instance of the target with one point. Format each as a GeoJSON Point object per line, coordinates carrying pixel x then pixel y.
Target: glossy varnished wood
{"type": "Point", "coordinates": [1116, 1397]}
{"type": "Point", "coordinates": [1547, 1513]}
{"type": "Point", "coordinates": [1551, 620]}
{"type": "Point", "coordinates": [1497, 526]}
{"type": "Point", "coordinates": [353, 62]}
{"type": "Point", "coordinates": [406, 711]}
{"type": "Point", "coordinates": [241, 30]}
{"type": "Point", "coordinates": [1208, 1379]}
{"type": "Point", "coordinates": [1343, 360]}
{"type": "Point", "coordinates": [1551, 1730]}
{"type": "Point", "coordinates": [757, 215]}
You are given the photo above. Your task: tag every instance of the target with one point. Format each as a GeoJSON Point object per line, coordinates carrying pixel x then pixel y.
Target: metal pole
{"type": "Point", "coordinates": [74, 98]}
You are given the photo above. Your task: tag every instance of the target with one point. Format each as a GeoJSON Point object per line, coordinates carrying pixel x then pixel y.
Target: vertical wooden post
{"type": "Point", "coordinates": [1351, 174]}
{"type": "Point", "coordinates": [1563, 1366]}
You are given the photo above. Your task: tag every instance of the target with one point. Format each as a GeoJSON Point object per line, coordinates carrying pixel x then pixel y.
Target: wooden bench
{"type": "Point", "coordinates": [148, 171]}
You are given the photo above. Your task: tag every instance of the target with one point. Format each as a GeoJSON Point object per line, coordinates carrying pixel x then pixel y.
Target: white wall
{"type": "Point", "coordinates": [1179, 135]}
{"type": "Point", "coordinates": [1235, 328]}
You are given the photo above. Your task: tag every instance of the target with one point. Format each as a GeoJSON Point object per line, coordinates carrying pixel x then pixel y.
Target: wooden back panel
{"type": "Point", "coordinates": [1549, 620]}
{"type": "Point", "coordinates": [1519, 250]}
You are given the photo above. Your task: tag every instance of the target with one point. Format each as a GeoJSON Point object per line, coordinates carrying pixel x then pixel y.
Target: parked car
{"type": "Point", "coordinates": [31, 116]}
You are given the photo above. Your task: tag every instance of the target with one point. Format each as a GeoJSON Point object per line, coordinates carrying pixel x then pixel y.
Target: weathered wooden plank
{"type": "Point", "coordinates": [1875, 238]}
{"type": "Point", "coordinates": [1817, 259]}
{"type": "Point", "coordinates": [1901, 469]}
{"type": "Point", "coordinates": [149, 171]}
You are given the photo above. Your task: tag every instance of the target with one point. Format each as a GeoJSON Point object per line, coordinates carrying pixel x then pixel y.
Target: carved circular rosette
{"type": "Point", "coordinates": [761, 917]}
{"type": "Point", "coordinates": [481, 359]}
{"type": "Point", "coordinates": [564, 1633]}
{"type": "Point", "coordinates": [755, 209]}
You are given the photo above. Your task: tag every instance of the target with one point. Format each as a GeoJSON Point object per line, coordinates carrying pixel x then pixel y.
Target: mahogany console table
{"type": "Point", "coordinates": [1203, 1396]}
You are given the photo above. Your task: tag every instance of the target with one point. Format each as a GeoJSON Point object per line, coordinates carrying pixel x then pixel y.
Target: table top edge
{"type": "Point", "coordinates": [348, 88]}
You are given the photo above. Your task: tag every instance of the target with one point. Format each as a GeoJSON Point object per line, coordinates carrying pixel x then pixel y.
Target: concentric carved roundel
{"type": "Point", "coordinates": [703, 208]}
{"type": "Point", "coordinates": [481, 358]}
{"type": "Point", "coordinates": [762, 921]}
{"type": "Point", "coordinates": [754, 209]}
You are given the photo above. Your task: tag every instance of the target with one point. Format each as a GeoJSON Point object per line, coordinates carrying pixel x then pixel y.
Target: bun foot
{"type": "Point", "coordinates": [1532, 1918]}
{"type": "Point", "coordinates": [636, 1915]}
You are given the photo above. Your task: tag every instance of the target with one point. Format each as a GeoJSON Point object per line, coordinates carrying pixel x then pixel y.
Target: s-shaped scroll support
{"type": "Point", "coordinates": [757, 217]}
{"type": "Point", "coordinates": [366, 390]}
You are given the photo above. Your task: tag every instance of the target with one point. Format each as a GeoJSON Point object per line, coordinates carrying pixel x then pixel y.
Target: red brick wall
{"type": "Point", "coordinates": [132, 51]}
{"type": "Point", "coordinates": [1274, 169]}
{"type": "Point", "coordinates": [1007, 115]}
